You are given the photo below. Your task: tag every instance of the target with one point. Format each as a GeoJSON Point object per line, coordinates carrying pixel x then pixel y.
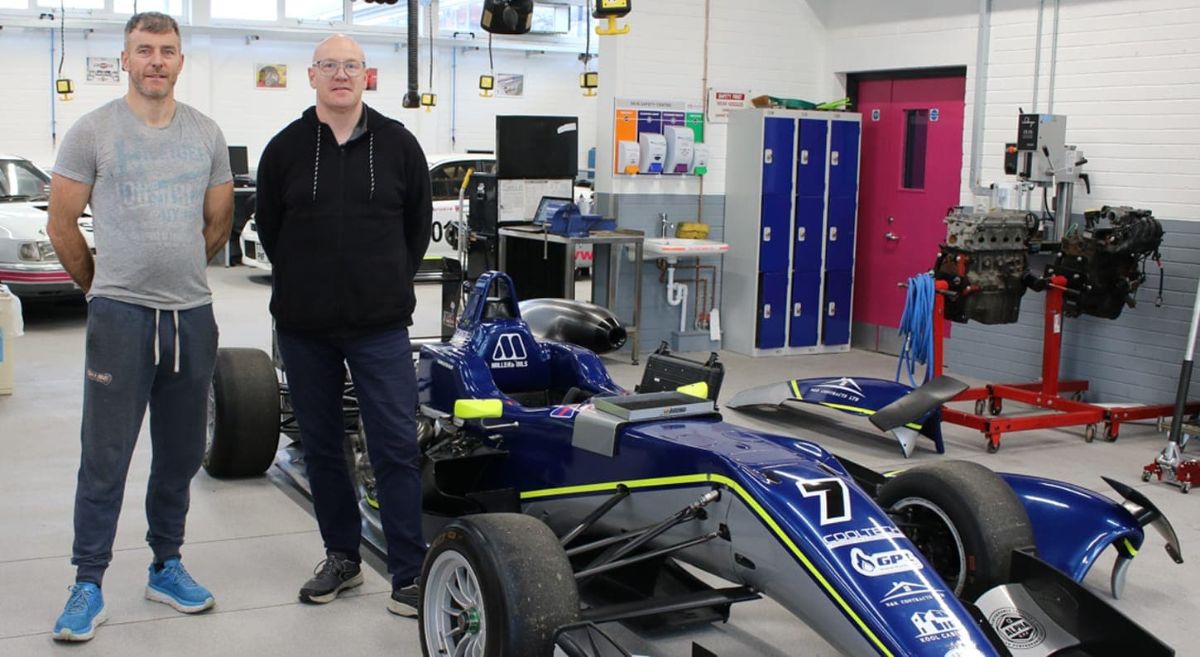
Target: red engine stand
{"type": "Point", "coordinates": [1046, 393]}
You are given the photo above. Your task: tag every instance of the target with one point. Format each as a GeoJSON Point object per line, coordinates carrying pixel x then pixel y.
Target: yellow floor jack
{"type": "Point", "coordinates": [1171, 466]}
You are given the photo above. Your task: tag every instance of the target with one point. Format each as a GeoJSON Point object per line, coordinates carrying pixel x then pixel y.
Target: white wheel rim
{"type": "Point", "coordinates": [961, 580]}
{"type": "Point", "coordinates": [452, 608]}
{"type": "Point", "coordinates": [211, 422]}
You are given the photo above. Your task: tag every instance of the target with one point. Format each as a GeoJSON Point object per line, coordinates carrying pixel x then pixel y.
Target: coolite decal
{"type": "Point", "coordinates": [1017, 630]}
{"type": "Point", "coordinates": [863, 535]}
{"type": "Point", "coordinates": [834, 496]}
{"type": "Point", "coordinates": [509, 352]}
{"type": "Point", "coordinates": [935, 625]}
{"type": "Point", "coordinates": [880, 564]}
{"type": "Point", "coordinates": [906, 593]}
{"type": "Point", "coordinates": [843, 388]}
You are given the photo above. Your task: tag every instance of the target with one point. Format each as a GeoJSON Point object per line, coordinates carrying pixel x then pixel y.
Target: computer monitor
{"type": "Point", "coordinates": [238, 162]}
{"type": "Point", "coordinates": [547, 207]}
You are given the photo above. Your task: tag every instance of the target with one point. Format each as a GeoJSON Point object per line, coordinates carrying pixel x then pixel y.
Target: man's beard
{"type": "Point", "coordinates": [138, 83]}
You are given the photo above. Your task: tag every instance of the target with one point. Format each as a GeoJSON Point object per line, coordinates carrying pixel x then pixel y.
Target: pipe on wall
{"type": "Point", "coordinates": [981, 74]}
{"type": "Point", "coordinates": [1037, 56]}
{"type": "Point", "coordinates": [1053, 59]}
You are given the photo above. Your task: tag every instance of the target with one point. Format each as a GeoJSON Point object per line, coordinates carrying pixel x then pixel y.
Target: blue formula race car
{"type": "Point", "coordinates": [557, 502]}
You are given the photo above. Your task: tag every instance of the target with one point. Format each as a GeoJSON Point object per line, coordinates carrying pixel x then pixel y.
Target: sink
{"type": "Point", "coordinates": [672, 248]}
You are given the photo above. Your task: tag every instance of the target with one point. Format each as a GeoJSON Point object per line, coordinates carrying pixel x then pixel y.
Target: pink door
{"type": "Point", "coordinates": [912, 147]}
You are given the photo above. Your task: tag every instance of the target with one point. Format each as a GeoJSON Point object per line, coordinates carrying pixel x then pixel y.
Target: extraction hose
{"type": "Point", "coordinates": [916, 328]}
{"type": "Point", "coordinates": [412, 98]}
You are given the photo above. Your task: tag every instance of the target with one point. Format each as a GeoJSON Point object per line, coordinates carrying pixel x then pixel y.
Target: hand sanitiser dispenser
{"type": "Point", "coordinates": [653, 152]}
{"type": "Point", "coordinates": [681, 141]}
{"type": "Point", "coordinates": [700, 159]}
{"type": "Point", "coordinates": [628, 157]}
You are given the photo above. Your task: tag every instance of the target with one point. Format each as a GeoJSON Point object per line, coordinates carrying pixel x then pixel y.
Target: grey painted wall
{"type": "Point", "coordinates": [1134, 358]}
{"type": "Point", "coordinates": [640, 212]}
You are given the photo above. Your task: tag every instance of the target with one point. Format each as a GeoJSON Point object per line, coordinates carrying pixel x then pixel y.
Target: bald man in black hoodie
{"type": "Point", "coordinates": [344, 213]}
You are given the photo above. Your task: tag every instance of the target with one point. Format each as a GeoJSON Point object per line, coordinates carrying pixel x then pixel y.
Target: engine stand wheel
{"type": "Point", "coordinates": [993, 444]}
{"type": "Point", "coordinates": [1146, 476]}
{"type": "Point", "coordinates": [1077, 395]}
{"type": "Point", "coordinates": [1111, 432]}
{"type": "Point", "coordinates": [1089, 433]}
{"type": "Point", "coordinates": [1185, 487]}
{"type": "Point", "coordinates": [995, 405]}
{"type": "Point", "coordinates": [980, 405]}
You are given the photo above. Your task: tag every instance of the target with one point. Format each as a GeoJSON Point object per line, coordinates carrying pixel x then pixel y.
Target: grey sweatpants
{"type": "Point", "coordinates": [121, 378]}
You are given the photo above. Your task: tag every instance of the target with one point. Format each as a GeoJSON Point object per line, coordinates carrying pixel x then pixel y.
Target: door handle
{"type": "Point", "coordinates": [891, 237]}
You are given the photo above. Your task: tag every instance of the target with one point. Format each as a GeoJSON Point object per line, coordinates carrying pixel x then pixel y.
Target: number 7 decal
{"type": "Point", "coordinates": [835, 498]}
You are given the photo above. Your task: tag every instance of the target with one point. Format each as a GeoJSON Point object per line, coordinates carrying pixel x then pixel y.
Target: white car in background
{"type": "Point", "coordinates": [28, 264]}
{"type": "Point", "coordinates": [446, 173]}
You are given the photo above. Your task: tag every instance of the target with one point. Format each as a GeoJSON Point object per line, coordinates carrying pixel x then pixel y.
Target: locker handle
{"type": "Point", "coordinates": [804, 156]}
{"type": "Point", "coordinates": [833, 233]}
{"type": "Point", "coordinates": [767, 311]}
{"type": "Point", "coordinates": [766, 233]}
{"type": "Point", "coordinates": [796, 309]}
{"type": "Point", "coordinates": [833, 158]}
{"type": "Point", "coordinates": [832, 308]}
{"type": "Point", "coordinates": [801, 234]}
{"type": "Point", "coordinates": [768, 156]}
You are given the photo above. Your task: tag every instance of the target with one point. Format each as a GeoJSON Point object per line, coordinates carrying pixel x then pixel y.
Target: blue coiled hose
{"type": "Point", "coordinates": [916, 328]}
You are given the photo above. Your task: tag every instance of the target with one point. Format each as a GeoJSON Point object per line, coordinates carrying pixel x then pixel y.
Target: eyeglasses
{"type": "Point", "coordinates": [329, 67]}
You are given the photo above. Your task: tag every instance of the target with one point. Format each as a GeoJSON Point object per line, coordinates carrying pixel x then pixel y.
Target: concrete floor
{"type": "Point", "coordinates": [253, 542]}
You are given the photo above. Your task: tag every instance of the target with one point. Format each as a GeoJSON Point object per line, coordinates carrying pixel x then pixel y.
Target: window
{"type": "Point", "coordinates": [258, 10]}
{"type": "Point", "coordinates": [73, 4]}
{"type": "Point", "coordinates": [171, 7]}
{"type": "Point", "coordinates": [916, 138]}
{"type": "Point", "coordinates": [19, 178]}
{"type": "Point", "coordinates": [314, 10]}
{"type": "Point", "coordinates": [14, 4]}
{"type": "Point", "coordinates": [446, 180]}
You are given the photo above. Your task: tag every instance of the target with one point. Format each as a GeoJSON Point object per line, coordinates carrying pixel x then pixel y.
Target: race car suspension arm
{"type": "Point", "coordinates": [688, 513]}
{"type": "Point", "coordinates": [621, 494]}
{"type": "Point", "coordinates": [653, 554]}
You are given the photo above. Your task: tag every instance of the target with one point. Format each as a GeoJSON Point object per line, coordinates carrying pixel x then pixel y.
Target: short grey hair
{"type": "Point", "coordinates": [153, 22]}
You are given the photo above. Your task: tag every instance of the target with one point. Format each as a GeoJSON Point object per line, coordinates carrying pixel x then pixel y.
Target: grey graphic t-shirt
{"type": "Point", "coordinates": [148, 187]}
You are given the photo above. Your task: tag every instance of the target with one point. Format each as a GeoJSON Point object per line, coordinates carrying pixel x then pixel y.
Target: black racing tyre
{"type": "Point", "coordinates": [499, 583]}
{"type": "Point", "coordinates": [963, 518]}
{"type": "Point", "coordinates": [243, 414]}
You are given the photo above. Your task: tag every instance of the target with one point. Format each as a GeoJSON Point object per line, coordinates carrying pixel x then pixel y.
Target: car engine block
{"type": "Point", "coordinates": [984, 260]}
{"type": "Point", "coordinates": [1105, 266]}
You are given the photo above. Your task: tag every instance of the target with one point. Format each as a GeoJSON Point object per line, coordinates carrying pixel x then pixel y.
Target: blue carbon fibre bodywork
{"type": "Point", "coordinates": [1073, 525]}
{"type": "Point", "coordinates": [849, 557]}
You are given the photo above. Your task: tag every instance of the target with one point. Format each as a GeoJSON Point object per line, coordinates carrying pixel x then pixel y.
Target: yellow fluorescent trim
{"type": "Point", "coordinates": [795, 389]}
{"type": "Point", "coordinates": [749, 501]}
{"type": "Point", "coordinates": [478, 409]}
{"type": "Point", "coordinates": [698, 389]}
{"type": "Point", "coordinates": [1132, 550]}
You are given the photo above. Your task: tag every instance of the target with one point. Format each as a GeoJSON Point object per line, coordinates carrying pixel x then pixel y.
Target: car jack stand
{"type": "Point", "coordinates": [1170, 466]}
{"type": "Point", "coordinates": [1048, 393]}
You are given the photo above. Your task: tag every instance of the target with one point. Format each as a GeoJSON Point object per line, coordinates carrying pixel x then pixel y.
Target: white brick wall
{"type": "Point", "coordinates": [775, 47]}
{"type": "Point", "coordinates": [1128, 79]}
{"type": "Point", "coordinates": [218, 79]}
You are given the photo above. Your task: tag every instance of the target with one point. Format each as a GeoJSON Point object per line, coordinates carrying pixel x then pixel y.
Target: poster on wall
{"type": "Point", "coordinates": [511, 85]}
{"type": "Point", "coordinates": [103, 70]}
{"type": "Point", "coordinates": [270, 76]}
{"type": "Point", "coordinates": [372, 79]}
{"type": "Point", "coordinates": [721, 102]}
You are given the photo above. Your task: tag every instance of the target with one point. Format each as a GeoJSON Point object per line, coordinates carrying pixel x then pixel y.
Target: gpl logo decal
{"type": "Point", "coordinates": [509, 352]}
{"type": "Point", "coordinates": [880, 564]}
{"type": "Point", "coordinates": [1016, 629]}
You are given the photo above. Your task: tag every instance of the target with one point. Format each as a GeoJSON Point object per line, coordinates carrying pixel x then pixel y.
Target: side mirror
{"type": "Point", "coordinates": [478, 409]}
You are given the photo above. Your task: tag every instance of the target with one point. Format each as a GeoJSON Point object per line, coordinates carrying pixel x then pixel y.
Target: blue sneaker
{"type": "Point", "coordinates": [174, 586]}
{"type": "Point", "coordinates": [82, 615]}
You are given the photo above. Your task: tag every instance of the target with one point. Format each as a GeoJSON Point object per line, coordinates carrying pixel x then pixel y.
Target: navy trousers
{"type": "Point", "coordinates": [128, 369]}
{"type": "Point", "coordinates": [386, 384]}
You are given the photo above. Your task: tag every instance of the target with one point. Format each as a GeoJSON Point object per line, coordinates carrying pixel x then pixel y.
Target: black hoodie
{"type": "Point", "coordinates": [345, 226]}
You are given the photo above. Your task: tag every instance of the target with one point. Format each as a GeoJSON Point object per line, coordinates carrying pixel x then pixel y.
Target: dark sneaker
{"type": "Point", "coordinates": [174, 586]}
{"type": "Point", "coordinates": [404, 601]}
{"type": "Point", "coordinates": [82, 615]}
{"type": "Point", "coordinates": [332, 576]}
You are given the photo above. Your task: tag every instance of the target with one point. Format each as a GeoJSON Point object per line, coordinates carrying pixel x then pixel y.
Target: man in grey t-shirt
{"type": "Point", "coordinates": [156, 173]}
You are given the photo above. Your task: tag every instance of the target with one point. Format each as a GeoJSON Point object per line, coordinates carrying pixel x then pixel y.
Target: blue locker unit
{"type": "Point", "coordinates": [791, 204]}
{"type": "Point", "coordinates": [772, 310]}
{"type": "Point", "coordinates": [779, 137]}
{"type": "Point", "coordinates": [836, 319]}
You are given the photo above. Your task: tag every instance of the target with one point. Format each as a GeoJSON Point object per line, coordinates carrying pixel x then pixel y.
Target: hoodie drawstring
{"type": "Point", "coordinates": [316, 162]}
{"type": "Point", "coordinates": [158, 345]}
{"type": "Point", "coordinates": [372, 165]}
